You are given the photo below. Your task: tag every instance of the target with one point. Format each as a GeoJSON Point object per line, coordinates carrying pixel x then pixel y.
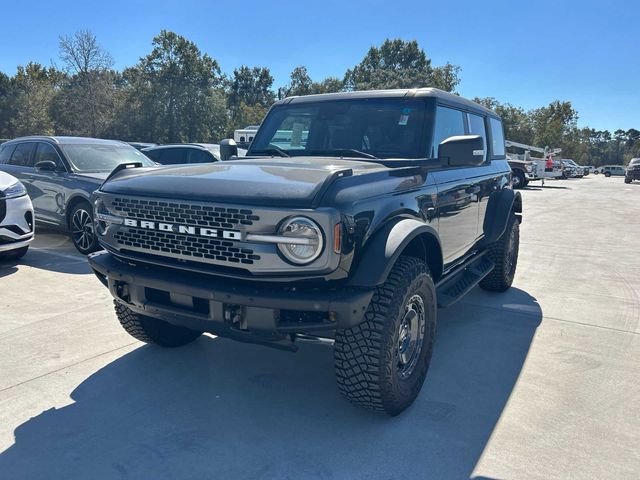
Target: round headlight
{"type": "Point", "coordinates": [306, 240]}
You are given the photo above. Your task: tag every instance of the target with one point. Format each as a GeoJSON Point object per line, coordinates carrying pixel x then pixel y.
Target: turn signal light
{"type": "Point", "coordinates": [337, 238]}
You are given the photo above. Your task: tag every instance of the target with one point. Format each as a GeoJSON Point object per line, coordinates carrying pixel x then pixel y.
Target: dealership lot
{"type": "Point", "coordinates": [539, 382]}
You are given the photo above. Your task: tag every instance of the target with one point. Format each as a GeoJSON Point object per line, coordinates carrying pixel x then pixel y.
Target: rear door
{"type": "Point", "coordinates": [20, 165]}
{"type": "Point", "coordinates": [488, 180]}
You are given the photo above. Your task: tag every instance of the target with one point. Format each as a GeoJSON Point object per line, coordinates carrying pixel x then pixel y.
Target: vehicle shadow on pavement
{"type": "Point", "coordinates": [7, 268]}
{"type": "Point", "coordinates": [47, 260]}
{"type": "Point", "coordinates": [219, 409]}
{"type": "Point", "coordinates": [52, 251]}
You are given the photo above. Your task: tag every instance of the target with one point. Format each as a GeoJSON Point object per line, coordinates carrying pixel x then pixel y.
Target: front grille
{"type": "Point", "coordinates": [183, 213]}
{"type": "Point", "coordinates": [186, 246]}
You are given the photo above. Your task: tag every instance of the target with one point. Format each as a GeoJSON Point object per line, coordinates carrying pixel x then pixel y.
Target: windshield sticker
{"type": "Point", "coordinates": [404, 117]}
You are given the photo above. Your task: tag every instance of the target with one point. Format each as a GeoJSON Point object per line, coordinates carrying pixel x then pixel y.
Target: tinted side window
{"type": "Point", "coordinates": [497, 138]}
{"type": "Point", "coordinates": [173, 156]}
{"type": "Point", "coordinates": [477, 127]}
{"type": "Point", "coordinates": [5, 153]}
{"type": "Point", "coordinates": [199, 156]}
{"type": "Point", "coordinates": [47, 153]}
{"type": "Point", "coordinates": [449, 122]}
{"type": "Point", "coordinates": [22, 155]}
{"type": "Point", "coordinates": [153, 155]}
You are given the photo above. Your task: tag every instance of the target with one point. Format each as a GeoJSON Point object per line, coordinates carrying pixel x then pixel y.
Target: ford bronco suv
{"type": "Point", "coordinates": [353, 217]}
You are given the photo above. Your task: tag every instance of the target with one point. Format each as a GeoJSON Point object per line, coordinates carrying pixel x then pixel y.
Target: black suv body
{"type": "Point", "coordinates": [633, 171]}
{"type": "Point", "coordinates": [353, 217]}
{"type": "Point", "coordinates": [60, 174]}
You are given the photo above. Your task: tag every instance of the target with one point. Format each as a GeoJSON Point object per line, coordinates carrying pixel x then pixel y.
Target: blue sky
{"type": "Point", "coordinates": [527, 53]}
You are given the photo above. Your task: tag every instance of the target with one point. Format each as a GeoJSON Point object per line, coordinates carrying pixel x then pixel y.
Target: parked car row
{"type": "Point", "coordinates": [60, 174]}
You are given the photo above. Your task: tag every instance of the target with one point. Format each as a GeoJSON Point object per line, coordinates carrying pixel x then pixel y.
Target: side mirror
{"type": "Point", "coordinates": [46, 165]}
{"type": "Point", "coordinates": [462, 150]}
{"type": "Point", "coordinates": [228, 149]}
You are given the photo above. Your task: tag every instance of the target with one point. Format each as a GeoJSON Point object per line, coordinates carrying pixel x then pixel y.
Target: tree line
{"type": "Point", "coordinates": [177, 93]}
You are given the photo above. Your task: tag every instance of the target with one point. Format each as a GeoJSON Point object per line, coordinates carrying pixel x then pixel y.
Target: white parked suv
{"type": "Point", "coordinates": [16, 218]}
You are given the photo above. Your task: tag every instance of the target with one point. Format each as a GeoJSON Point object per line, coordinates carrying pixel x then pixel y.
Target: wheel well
{"type": "Point", "coordinates": [72, 204]}
{"type": "Point", "coordinates": [427, 248]}
{"type": "Point", "coordinates": [517, 203]}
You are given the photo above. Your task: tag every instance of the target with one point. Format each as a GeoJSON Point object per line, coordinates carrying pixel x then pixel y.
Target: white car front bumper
{"type": "Point", "coordinates": [17, 226]}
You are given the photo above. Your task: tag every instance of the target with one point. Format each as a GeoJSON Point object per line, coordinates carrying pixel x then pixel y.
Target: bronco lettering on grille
{"type": "Point", "coordinates": [184, 229]}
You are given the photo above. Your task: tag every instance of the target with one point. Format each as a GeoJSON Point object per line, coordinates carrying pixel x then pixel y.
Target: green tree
{"type": "Point", "coordinates": [251, 86]}
{"type": "Point", "coordinates": [446, 77]}
{"type": "Point", "coordinates": [29, 97]}
{"type": "Point", "coordinates": [174, 94]}
{"type": "Point", "coordinates": [250, 96]}
{"type": "Point", "coordinates": [300, 83]}
{"type": "Point", "coordinates": [399, 64]}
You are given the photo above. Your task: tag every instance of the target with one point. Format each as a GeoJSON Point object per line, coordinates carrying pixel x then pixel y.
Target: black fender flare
{"type": "Point", "coordinates": [501, 204]}
{"type": "Point", "coordinates": [385, 246]}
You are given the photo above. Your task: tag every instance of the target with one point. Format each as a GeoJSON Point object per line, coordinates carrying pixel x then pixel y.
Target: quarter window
{"type": "Point", "coordinates": [199, 156]}
{"type": "Point", "coordinates": [22, 155]}
{"type": "Point", "coordinates": [497, 138]}
{"type": "Point", "coordinates": [449, 123]}
{"type": "Point", "coordinates": [5, 153]}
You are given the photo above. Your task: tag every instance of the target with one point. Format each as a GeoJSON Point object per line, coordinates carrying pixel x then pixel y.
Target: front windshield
{"type": "Point", "coordinates": [97, 157]}
{"type": "Point", "coordinates": [368, 128]}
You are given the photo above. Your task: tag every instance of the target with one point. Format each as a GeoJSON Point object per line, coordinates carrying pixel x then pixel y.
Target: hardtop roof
{"type": "Point", "coordinates": [446, 97]}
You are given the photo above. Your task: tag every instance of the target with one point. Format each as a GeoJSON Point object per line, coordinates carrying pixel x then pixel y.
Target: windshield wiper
{"type": "Point", "coordinates": [352, 152]}
{"type": "Point", "coordinates": [272, 149]}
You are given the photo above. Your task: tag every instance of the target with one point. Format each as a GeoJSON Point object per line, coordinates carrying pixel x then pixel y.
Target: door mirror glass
{"type": "Point", "coordinates": [46, 165]}
{"type": "Point", "coordinates": [462, 151]}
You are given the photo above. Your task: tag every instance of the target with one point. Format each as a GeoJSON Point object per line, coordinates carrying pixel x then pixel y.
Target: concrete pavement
{"type": "Point", "coordinates": [540, 382]}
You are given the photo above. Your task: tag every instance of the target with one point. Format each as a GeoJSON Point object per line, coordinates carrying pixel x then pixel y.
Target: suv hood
{"type": "Point", "coordinates": [293, 182]}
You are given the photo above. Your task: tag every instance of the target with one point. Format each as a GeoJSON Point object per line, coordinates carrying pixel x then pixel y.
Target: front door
{"type": "Point", "coordinates": [50, 203]}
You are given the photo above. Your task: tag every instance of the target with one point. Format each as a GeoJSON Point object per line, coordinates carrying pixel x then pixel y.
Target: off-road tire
{"type": "Point", "coordinates": [365, 356]}
{"type": "Point", "coordinates": [501, 277]}
{"type": "Point", "coordinates": [151, 330]}
{"type": "Point", "coordinates": [607, 174]}
{"type": "Point", "coordinates": [14, 254]}
{"type": "Point", "coordinates": [627, 180]}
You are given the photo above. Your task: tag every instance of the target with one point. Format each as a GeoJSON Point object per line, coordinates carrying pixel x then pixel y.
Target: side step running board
{"type": "Point", "coordinates": [458, 283]}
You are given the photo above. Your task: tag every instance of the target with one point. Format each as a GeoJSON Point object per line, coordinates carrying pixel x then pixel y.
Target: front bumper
{"type": "Point", "coordinates": [633, 174]}
{"type": "Point", "coordinates": [16, 223]}
{"type": "Point", "coordinates": [226, 307]}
